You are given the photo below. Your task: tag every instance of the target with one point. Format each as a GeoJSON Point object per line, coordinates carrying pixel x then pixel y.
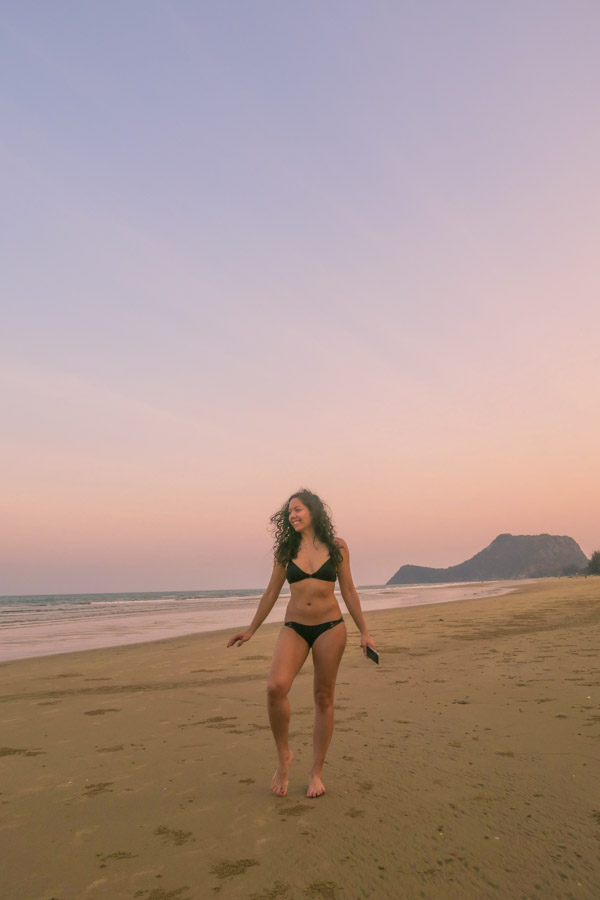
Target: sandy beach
{"type": "Point", "coordinates": [465, 766]}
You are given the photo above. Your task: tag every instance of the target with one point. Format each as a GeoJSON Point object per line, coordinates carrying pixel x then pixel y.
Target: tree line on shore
{"type": "Point", "coordinates": [592, 568]}
{"type": "Point", "coordinates": [594, 564]}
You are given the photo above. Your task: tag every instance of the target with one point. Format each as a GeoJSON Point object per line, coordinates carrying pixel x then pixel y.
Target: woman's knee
{"type": "Point", "coordinates": [277, 689]}
{"type": "Point", "coordinates": [324, 699]}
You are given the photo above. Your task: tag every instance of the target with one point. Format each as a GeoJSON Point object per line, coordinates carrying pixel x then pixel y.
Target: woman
{"type": "Point", "coordinates": [303, 535]}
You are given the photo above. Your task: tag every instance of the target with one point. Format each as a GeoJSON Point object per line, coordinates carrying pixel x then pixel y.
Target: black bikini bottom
{"type": "Point", "coordinates": [311, 632]}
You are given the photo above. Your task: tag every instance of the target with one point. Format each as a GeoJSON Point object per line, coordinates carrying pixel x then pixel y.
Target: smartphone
{"type": "Point", "coordinates": [373, 654]}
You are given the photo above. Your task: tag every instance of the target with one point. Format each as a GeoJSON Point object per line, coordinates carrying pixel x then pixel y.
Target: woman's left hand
{"type": "Point", "coordinates": [365, 639]}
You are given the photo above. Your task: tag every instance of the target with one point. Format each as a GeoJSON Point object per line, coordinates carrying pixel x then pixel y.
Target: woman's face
{"type": "Point", "coordinates": [299, 514]}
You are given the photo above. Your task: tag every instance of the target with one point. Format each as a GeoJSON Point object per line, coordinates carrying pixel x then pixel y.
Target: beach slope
{"type": "Point", "coordinates": [465, 765]}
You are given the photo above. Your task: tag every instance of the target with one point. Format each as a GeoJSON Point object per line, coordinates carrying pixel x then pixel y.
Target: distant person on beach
{"type": "Point", "coordinates": [303, 533]}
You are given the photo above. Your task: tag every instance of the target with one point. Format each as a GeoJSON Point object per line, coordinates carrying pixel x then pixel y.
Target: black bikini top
{"type": "Point", "coordinates": [327, 572]}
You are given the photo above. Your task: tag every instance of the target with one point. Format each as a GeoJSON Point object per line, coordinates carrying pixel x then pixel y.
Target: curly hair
{"type": "Point", "coordinates": [286, 540]}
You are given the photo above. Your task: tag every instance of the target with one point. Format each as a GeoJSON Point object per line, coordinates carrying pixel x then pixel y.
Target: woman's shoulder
{"type": "Point", "coordinates": [341, 543]}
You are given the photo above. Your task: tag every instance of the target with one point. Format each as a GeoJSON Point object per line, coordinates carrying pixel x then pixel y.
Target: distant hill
{"type": "Point", "coordinates": [508, 556]}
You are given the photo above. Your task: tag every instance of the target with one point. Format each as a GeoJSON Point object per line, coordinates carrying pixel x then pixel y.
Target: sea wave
{"type": "Point", "coordinates": [46, 624]}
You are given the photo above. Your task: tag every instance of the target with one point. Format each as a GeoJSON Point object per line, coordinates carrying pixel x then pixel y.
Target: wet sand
{"type": "Point", "coordinates": [466, 765]}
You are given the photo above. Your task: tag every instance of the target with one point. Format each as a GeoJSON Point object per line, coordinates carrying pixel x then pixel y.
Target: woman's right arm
{"type": "Point", "coordinates": [267, 602]}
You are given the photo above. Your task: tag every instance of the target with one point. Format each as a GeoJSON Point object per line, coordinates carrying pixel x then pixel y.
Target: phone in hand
{"type": "Point", "coordinates": [373, 654]}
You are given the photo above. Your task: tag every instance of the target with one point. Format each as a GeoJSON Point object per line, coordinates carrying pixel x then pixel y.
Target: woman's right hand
{"type": "Point", "coordinates": [240, 638]}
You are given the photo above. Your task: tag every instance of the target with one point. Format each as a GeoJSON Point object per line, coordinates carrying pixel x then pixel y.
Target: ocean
{"type": "Point", "coordinates": [58, 623]}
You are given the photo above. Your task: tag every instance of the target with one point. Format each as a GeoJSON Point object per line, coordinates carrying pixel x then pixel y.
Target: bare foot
{"type": "Point", "coordinates": [279, 781]}
{"type": "Point", "coordinates": [315, 786]}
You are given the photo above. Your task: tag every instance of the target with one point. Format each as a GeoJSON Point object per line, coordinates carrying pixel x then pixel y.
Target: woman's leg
{"type": "Point", "coordinates": [288, 657]}
{"type": "Point", "coordinates": [328, 650]}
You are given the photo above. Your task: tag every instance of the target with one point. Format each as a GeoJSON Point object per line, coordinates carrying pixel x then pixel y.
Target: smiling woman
{"type": "Point", "coordinates": [313, 621]}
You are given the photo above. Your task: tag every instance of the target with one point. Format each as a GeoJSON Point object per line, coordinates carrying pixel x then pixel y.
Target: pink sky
{"type": "Point", "coordinates": [360, 258]}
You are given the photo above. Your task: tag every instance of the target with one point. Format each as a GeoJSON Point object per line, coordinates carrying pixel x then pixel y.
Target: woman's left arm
{"type": "Point", "coordinates": [350, 596]}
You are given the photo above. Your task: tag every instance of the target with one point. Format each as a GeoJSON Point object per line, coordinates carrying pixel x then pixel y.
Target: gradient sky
{"type": "Point", "coordinates": [253, 246]}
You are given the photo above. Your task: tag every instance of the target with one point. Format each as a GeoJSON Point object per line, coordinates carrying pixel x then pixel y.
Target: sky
{"type": "Point", "coordinates": [249, 247]}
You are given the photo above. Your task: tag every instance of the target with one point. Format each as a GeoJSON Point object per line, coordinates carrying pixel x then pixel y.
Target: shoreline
{"type": "Point", "coordinates": [94, 632]}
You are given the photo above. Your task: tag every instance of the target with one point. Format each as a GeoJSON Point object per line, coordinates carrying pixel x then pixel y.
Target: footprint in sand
{"type": "Point", "coordinates": [229, 867]}
{"type": "Point", "coordinates": [118, 854]}
{"type": "Point", "coordinates": [102, 787]}
{"type": "Point", "coordinates": [20, 751]}
{"type": "Point", "coordinates": [296, 810]}
{"type": "Point", "coordinates": [326, 889]}
{"type": "Point", "coordinates": [279, 889]}
{"type": "Point", "coordinates": [181, 893]}
{"type": "Point", "coordinates": [174, 835]}
{"type": "Point", "coordinates": [355, 813]}
{"type": "Point", "coordinates": [213, 722]}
